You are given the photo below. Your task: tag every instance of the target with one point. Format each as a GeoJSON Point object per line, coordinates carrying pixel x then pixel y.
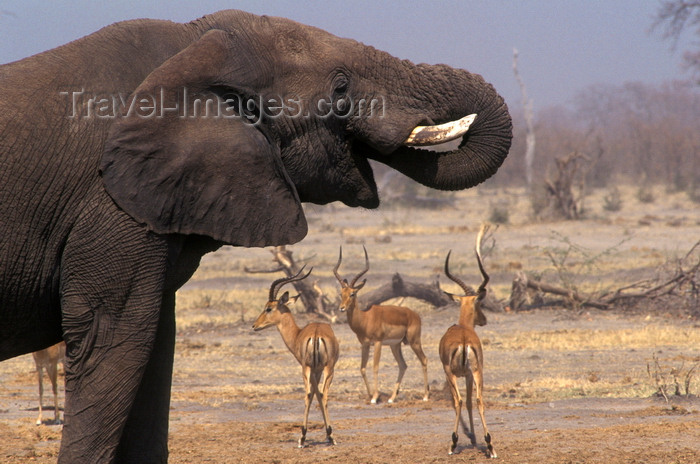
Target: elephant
{"type": "Point", "coordinates": [128, 154]}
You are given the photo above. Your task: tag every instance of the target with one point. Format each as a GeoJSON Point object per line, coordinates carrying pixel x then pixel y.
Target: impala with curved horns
{"type": "Point", "coordinates": [314, 346]}
{"type": "Point", "coordinates": [461, 352]}
{"type": "Point", "coordinates": [381, 325]}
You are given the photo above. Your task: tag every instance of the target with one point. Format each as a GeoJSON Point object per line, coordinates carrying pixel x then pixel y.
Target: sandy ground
{"type": "Point", "coordinates": [237, 398]}
{"type": "Point", "coordinates": [237, 395]}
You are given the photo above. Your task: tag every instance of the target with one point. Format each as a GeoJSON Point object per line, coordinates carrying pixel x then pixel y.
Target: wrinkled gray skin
{"type": "Point", "coordinates": [105, 212]}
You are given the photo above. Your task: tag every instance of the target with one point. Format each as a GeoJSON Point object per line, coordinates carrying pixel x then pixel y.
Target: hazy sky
{"type": "Point", "coordinates": [564, 45]}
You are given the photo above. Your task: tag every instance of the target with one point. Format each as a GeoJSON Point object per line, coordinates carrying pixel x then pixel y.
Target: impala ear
{"type": "Point", "coordinates": [479, 316]}
{"type": "Point", "coordinates": [184, 159]}
{"type": "Point", "coordinates": [284, 298]}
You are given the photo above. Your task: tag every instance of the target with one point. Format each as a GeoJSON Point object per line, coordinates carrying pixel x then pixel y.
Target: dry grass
{"type": "Point", "coordinates": [217, 307]}
{"type": "Point", "coordinates": [652, 336]}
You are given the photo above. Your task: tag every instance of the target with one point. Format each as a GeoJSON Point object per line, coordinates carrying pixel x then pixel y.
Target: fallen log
{"type": "Point", "coordinates": [430, 293]}
{"type": "Point", "coordinates": [398, 287]}
{"type": "Point", "coordinates": [684, 283]}
{"type": "Point", "coordinates": [521, 299]}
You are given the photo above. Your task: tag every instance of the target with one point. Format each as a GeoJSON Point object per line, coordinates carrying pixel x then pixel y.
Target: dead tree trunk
{"type": "Point", "coordinates": [529, 116]}
{"type": "Point", "coordinates": [398, 287]}
{"type": "Point", "coordinates": [564, 194]}
{"type": "Point", "coordinates": [521, 294]}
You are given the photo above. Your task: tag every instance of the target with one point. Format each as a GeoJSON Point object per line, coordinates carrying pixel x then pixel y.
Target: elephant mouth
{"type": "Point", "coordinates": [450, 155]}
{"type": "Point", "coordinates": [425, 143]}
{"type": "Point", "coordinates": [430, 140]}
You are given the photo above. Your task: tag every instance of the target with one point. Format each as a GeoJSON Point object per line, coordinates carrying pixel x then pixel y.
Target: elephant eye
{"type": "Point", "coordinates": [341, 88]}
{"type": "Point", "coordinates": [340, 84]}
{"type": "Point", "coordinates": [342, 104]}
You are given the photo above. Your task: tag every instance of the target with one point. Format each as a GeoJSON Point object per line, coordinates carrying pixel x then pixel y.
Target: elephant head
{"type": "Point", "coordinates": [258, 114]}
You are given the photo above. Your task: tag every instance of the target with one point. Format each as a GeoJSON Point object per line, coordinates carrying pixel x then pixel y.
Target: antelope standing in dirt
{"type": "Point", "coordinates": [48, 359]}
{"type": "Point", "coordinates": [314, 346]}
{"type": "Point", "coordinates": [381, 325]}
{"type": "Point", "coordinates": [461, 353]}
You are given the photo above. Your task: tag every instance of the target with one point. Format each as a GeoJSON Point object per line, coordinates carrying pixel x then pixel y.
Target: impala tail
{"type": "Point", "coordinates": [316, 353]}
{"type": "Point", "coordinates": [462, 359]}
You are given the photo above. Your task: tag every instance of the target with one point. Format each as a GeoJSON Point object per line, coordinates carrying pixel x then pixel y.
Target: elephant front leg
{"type": "Point", "coordinates": [111, 298]}
{"type": "Point", "coordinates": [145, 435]}
{"type": "Point", "coordinates": [104, 369]}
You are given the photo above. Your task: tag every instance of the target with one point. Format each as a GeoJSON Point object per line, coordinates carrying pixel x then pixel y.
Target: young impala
{"type": "Point", "coordinates": [381, 325]}
{"type": "Point", "coordinates": [461, 353]}
{"type": "Point", "coordinates": [48, 359]}
{"type": "Point", "coordinates": [314, 346]}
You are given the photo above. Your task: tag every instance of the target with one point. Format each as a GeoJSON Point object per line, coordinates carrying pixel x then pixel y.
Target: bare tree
{"type": "Point", "coordinates": [565, 191]}
{"type": "Point", "coordinates": [675, 17]}
{"type": "Point", "coordinates": [529, 115]}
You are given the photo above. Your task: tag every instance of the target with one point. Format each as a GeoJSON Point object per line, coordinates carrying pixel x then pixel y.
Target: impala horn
{"type": "Point", "coordinates": [279, 283]}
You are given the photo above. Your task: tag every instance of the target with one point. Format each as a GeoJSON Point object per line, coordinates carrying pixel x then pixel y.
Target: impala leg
{"type": "Point", "coordinates": [470, 386]}
{"type": "Point", "coordinates": [322, 396]}
{"type": "Point", "coordinates": [39, 419]}
{"type": "Point", "coordinates": [52, 370]}
{"type": "Point", "coordinates": [479, 381]}
{"type": "Point", "coordinates": [363, 368]}
{"type": "Point", "coordinates": [398, 355]}
{"type": "Point", "coordinates": [418, 349]}
{"type": "Point", "coordinates": [375, 368]}
{"type": "Point", "coordinates": [457, 403]}
{"type": "Point", "coordinates": [308, 387]}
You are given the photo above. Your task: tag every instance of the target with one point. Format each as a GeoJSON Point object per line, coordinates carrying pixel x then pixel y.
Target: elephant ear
{"type": "Point", "coordinates": [180, 161]}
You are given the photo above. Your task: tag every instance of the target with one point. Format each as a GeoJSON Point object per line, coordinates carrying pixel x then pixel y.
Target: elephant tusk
{"type": "Point", "coordinates": [433, 135]}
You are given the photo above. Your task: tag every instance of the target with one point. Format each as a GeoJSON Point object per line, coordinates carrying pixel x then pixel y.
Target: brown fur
{"type": "Point", "coordinates": [48, 359]}
{"type": "Point", "coordinates": [382, 325]}
{"type": "Point", "coordinates": [314, 346]}
{"type": "Point", "coordinates": [461, 355]}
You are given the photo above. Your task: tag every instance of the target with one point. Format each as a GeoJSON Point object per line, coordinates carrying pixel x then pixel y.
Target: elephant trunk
{"type": "Point", "coordinates": [446, 94]}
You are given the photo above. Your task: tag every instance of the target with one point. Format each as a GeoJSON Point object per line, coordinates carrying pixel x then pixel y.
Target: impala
{"type": "Point", "coordinates": [461, 353]}
{"type": "Point", "coordinates": [48, 359]}
{"type": "Point", "coordinates": [314, 347]}
{"type": "Point", "coordinates": [381, 325]}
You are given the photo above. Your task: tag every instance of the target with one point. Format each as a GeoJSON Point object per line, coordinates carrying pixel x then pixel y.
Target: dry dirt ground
{"type": "Point", "coordinates": [237, 394]}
